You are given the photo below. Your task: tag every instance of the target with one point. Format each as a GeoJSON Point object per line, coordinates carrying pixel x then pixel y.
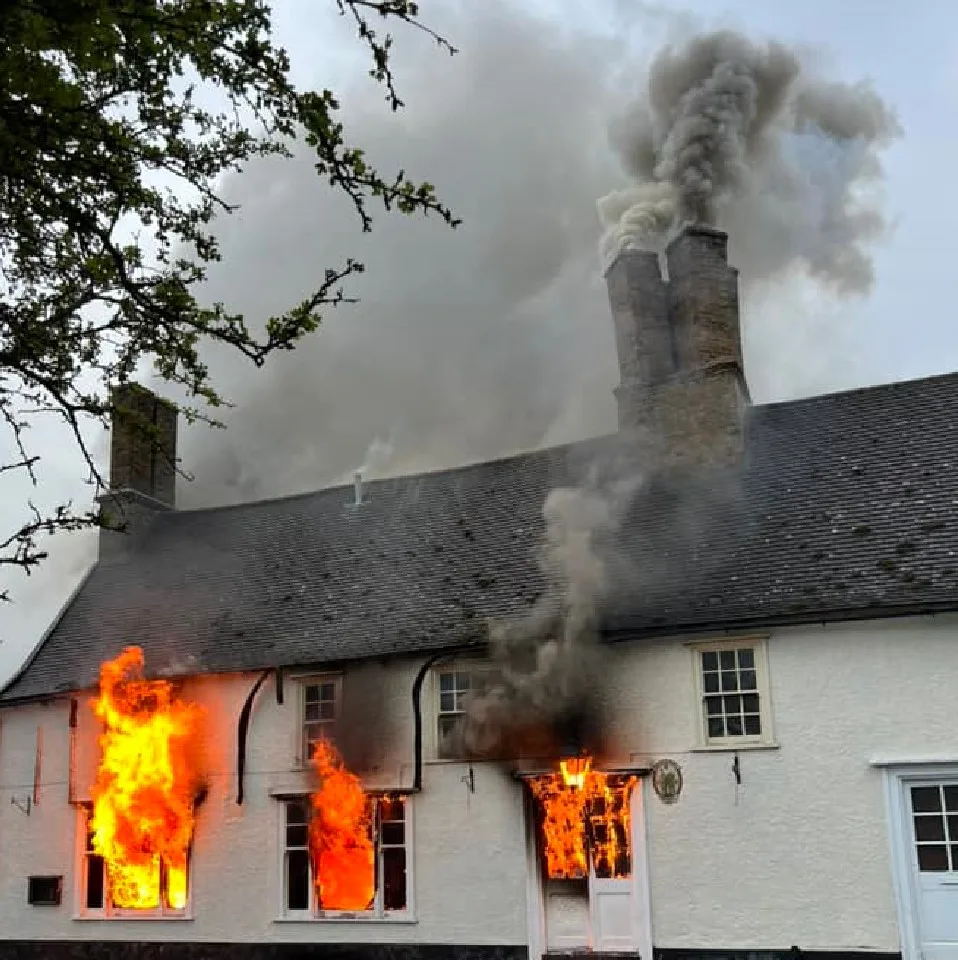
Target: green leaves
{"type": "Point", "coordinates": [98, 98]}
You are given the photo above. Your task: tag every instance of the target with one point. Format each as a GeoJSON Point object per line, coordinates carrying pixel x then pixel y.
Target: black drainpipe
{"type": "Point", "coordinates": [243, 728]}
{"type": "Point", "coordinates": [417, 711]}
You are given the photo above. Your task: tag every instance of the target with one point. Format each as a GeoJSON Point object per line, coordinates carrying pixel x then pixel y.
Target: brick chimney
{"type": "Point", "coordinates": [142, 465]}
{"type": "Point", "coordinates": [682, 392]}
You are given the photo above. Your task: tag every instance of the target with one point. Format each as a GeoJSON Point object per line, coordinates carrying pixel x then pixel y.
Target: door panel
{"type": "Point", "coordinates": [933, 814]}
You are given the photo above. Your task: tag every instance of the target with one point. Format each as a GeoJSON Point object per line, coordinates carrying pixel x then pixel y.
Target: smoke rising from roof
{"type": "Point", "coordinates": [497, 337]}
{"type": "Point", "coordinates": [749, 137]}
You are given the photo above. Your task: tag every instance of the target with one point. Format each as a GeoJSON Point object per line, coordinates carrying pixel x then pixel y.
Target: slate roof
{"type": "Point", "coordinates": [845, 506]}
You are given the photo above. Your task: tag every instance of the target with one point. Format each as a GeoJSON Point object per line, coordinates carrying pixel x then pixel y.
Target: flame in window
{"type": "Point", "coordinates": [585, 820]}
{"type": "Point", "coordinates": [340, 835]}
{"type": "Point", "coordinates": [147, 779]}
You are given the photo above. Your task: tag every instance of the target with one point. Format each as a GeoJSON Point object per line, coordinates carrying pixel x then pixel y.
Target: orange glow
{"type": "Point", "coordinates": [145, 785]}
{"type": "Point", "coordinates": [340, 835]}
{"type": "Point", "coordinates": [585, 815]}
{"type": "Point", "coordinates": [575, 771]}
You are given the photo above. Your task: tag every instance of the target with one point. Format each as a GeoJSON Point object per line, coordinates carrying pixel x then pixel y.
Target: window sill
{"type": "Point", "coordinates": [309, 918]}
{"type": "Point", "coordinates": [736, 747]}
{"type": "Point", "coordinates": [135, 917]}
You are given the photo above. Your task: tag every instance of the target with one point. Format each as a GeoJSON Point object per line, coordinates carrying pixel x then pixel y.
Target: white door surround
{"type": "Point", "coordinates": [927, 899]}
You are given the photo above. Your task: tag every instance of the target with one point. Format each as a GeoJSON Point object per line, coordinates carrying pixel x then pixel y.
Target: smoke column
{"type": "Point", "coordinates": [748, 137]}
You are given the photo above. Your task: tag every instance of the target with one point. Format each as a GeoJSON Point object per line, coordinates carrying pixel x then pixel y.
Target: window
{"type": "Point", "coordinates": [94, 886]}
{"type": "Point", "coordinates": [321, 700]}
{"type": "Point", "coordinates": [389, 881]}
{"type": "Point", "coordinates": [935, 816]}
{"type": "Point", "coordinates": [456, 684]}
{"type": "Point", "coordinates": [732, 680]}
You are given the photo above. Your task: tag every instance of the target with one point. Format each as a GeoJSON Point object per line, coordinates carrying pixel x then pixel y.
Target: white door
{"type": "Point", "coordinates": [613, 915]}
{"type": "Point", "coordinates": [933, 808]}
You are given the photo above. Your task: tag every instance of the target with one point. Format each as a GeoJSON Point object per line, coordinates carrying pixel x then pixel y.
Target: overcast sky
{"type": "Point", "coordinates": [497, 337]}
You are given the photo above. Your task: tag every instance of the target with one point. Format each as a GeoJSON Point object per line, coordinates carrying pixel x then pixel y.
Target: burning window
{"type": "Point", "coordinates": [321, 704]}
{"type": "Point", "coordinates": [138, 829]}
{"type": "Point", "coordinates": [346, 878]}
{"type": "Point", "coordinates": [733, 691]}
{"type": "Point", "coordinates": [584, 821]}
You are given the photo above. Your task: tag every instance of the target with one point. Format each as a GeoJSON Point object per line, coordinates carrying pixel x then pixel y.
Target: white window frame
{"type": "Point", "coordinates": [759, 647]}
{"type": "Point", "coordinates": [109, 912]}
{"type": "Point", "coordinates": [378, 913]}
{"type": "Point", "coordinates": [473, 667]}
{"type": "Point", "coordinates": [312, 680]}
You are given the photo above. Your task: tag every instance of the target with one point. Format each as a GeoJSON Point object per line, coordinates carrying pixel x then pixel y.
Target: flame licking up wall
{"type": "Point", "coordinates": [585, 817]}
{"type": "Point", "coordinates": [143, 797]}
{"type": "Point", "coordinates": [340, 835]}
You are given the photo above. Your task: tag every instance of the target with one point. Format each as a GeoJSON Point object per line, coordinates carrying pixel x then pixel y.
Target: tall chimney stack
{"type": "Point", "coordinates": [143, 444]}
{"type": "Point", "coordinates": [682, 393]}
{"type": "Point", "coordinates": [142, 468]}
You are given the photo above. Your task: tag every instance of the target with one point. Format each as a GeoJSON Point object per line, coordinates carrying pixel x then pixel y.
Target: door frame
{"type": "Point", "coordinates": [898, 777]}
{"type": "Point", "coordinates": [641, 897]}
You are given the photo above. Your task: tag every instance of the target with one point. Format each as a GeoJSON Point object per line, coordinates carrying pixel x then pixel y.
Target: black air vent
{"type": "Point", "coordinates": [44, 891]}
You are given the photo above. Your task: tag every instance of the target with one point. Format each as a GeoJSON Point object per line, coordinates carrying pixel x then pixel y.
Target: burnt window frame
{"type": "Point", "coordinates": [378, 911]}
{"type": "Point", "coordinates": [703, 693]}
{"type": "Point", "coordinates": [107, 910]}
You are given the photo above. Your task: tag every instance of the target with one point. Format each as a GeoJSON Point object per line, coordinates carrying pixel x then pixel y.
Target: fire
{"type": "Point", "coordinates": [143, 819]}
{"type": "Point", "coordinates": [585, 816]}
{"type": "Point", "coordinates": [340, 835]}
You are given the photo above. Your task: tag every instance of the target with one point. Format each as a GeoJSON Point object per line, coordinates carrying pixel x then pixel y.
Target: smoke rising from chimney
{"type": "Point", "coordinates": [748, 137]}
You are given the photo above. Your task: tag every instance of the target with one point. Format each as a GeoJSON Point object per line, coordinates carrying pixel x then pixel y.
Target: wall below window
{"type": "Point", "coordinates": [126, 950]}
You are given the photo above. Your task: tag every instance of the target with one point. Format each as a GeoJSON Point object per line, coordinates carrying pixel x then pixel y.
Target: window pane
{"type": "Point", "coordinates": [94, 882]}
{"type": "Point", "coordinates": [311, 694]}
{"type": "Point", "coordinates": [393, 834]}
{"type": "Point", "coordinates": [327, 710]}
{"type": "Point", "coordinates": [297, 836]}
{"type": "Point", "coordinates": [746, 658]}
{"type": "Point", "coordinates": [929, 828]}
{"type": "Point", "coordinates": [730, 680]}
{"type": "Point", "coordinates": [733, 704]}
{"type": "Point", "coordinates": [327, 692]}
{"type": "Point", "coordinates": [311, 712]}
{"type": "Point", "coordinates": [716, 727]}
{"type": "Point", "coordinates": [447, 702]}
{"type": "Point", "coordinates": [753, 725]}
{"type": "Point", "coordinates": [748, 680]}
{"type": "Point", "coordinates": [446, 681]}
{"type": "Point", "coordinates": [750, 702]}
{"type": "Point", "coordinates": [710, 661]}
{"type": "Point", "coordinates": [297, 880]}
{"type": "Point", "coordinates": [713, 705]}
{"type": "Point", "coordinates": [925, 799]}
{"type": "Point", "coordinates": [392, 808]}
{"type": "Point", "coordinates": [954, 857]}
{"type": "Point", "coordinates": [296, 812]}
{"type": "Point", "coordinates": [710, 682]}
{"type": "Point", "coordinates": [951, 798]}
{"type": "Point", "coordinates": [734, 726]}
{"type": "Point", "coordinates": [727, 659]}
{"type": "Point", "coordinates": [394, 878]}
{"type": "Point", "coordinates": [953, 828]}
{"type": "Point", "coordinates": [933, 858]}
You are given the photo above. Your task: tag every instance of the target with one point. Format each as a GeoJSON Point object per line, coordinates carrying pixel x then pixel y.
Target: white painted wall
{"type": "Point", "coordinates": [799, 854]}
{"type": "Point", "coordinates": [468, 857]}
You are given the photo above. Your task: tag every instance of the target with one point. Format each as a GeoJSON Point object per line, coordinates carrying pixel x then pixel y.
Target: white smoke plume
{"type": "Point", "coordinates": [750, 137]}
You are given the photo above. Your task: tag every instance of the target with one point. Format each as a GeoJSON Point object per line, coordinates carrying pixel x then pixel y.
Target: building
{"type": "Point", "coordinates": [777, 765]}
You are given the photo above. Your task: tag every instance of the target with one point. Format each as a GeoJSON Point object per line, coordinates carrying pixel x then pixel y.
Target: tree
{"type": "Point", "coordinates": [98, 105]}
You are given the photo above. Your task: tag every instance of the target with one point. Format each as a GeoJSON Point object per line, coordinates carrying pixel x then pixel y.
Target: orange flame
{"type": "Point", "coordinates": [142, 822]}
{"type": "Point", "coordinates": [585, 817]}
{"type": "Point", "coordinates": [340, 835]}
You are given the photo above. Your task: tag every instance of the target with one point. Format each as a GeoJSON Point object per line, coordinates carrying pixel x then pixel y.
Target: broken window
{"type": "Point", "coordinates": [387, 879]}
{"type": "Point", "coordinates": [321, 702]}
{"type": "Point", "coordinates": [733, 691]}
{"type": "Point", "coordinates": [94, 884]}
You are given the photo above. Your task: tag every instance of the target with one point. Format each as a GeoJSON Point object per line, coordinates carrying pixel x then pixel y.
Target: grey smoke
{"type": "Point", "coordinates": [748, 136]}
{"type": "Point", "coordinates": [546, 665]}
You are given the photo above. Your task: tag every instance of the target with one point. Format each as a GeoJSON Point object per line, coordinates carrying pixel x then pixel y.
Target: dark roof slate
{"type": "Point", "coordinates": [845, 505]}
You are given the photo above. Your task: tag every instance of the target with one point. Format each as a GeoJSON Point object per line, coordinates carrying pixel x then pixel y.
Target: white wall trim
{"type": "Point", "coordinates": [641, 881]}
{"type": "Point", "coordinates": [897, 776]}
{"type": "Point", "coordinates": [535, 905]}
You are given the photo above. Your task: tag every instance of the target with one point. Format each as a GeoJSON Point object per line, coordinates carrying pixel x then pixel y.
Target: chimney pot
{"type": "Point", "coordinates": [358, 487]}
